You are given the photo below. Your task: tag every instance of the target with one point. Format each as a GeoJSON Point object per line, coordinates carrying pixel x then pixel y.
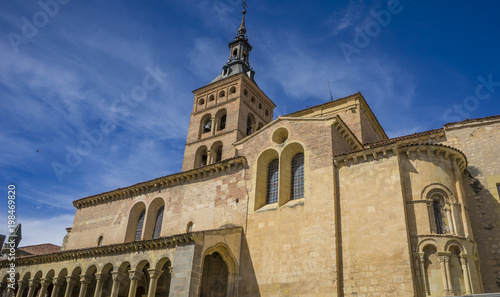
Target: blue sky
{"type": "Point", "coordinates": [67, 68]}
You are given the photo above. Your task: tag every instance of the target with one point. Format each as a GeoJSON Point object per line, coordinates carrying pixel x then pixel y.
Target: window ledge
{"type": "Point", "coordinates": [268, 207]}
{"type": "Point", "coordinates": [296, 202]}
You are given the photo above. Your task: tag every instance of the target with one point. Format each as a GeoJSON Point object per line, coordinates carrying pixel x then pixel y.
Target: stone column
{"type": "Point", "coordinates": [71, 281]}
{"type": "Point", "coordinates": [45, 284]}
{"type": "Point", "coordinates": [33, 283]}
{"type": "Point", "coordinates": [10, 292]}
{"type": "Point", "coordinates": [465, 269]}
{"type": "Point", "coordinates": [84, 282]}
{"type": "Point", "coordinates": [212, 132]}
{"type": "Point", "coordinates": [154, 275]}
{"type": "Point", "coordinates": [453, 220]}
{"type": "Point", "coordinates": [461, 199]}
{"type": "Point", "coordinates": [443, 261]}
{"type": "Point", "coordinates": [3, 287]}
{"type": "Point", "coordinates": [134, 276]}
{"type": "Point", "coordinates": [425, 281]}
{"type": "Point", "coordinates": [100, 278]}
{"type": "Point", "coordinates": [57, 282]}
{"type": "Point", "coordinates": [21, 286]}
{"type": "Point", "coordinates": [448, 217]}
{"type": "Point", "coordinates": [117, 280]}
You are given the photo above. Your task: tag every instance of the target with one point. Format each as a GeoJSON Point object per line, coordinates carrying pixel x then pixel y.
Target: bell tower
{"type": "Point", "coordinates": [226, 110]}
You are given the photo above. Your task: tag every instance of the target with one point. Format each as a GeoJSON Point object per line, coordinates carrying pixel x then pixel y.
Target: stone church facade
{"type": "Point", "coordinates": [319, 202]}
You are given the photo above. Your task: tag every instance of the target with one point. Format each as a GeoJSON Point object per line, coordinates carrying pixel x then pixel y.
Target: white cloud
{"type": "Point", "coordinates": [43, 230]}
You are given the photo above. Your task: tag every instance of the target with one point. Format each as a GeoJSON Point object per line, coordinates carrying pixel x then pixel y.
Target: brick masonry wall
{"type": "Point", "coordinates": [210, 202]}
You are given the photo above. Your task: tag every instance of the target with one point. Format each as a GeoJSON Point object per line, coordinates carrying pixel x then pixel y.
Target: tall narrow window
{"type": "Point", "coordinates": [218, 154]}
{"type": "Point", "coordinates": [297, 186]}
{"type": "Point", "coordinates": [159, 219]}
{"type": "Point", "coordinates": [498, 189]}
{"type": "Point", "coordinates": [222, 122]}
{"type": "Point", "coordinates": [438, 215]}
{"type": "Point", "coordinates": [99, 241]}
{"type": "Point", "coordinates": [140, 224]}
{"type": "Point", "coordinates": [272, 182]}
{"type": "Point", "coordinates": [250, 123]}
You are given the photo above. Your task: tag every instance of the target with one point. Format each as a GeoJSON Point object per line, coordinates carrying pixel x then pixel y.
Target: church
{"type": "Point", "coordinates": [319, 202]}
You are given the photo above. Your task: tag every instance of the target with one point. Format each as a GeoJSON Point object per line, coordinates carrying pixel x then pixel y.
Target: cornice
{"type": "Point", "coordinates": [335, 118]}
{"type": "Point", "coordinates": [420, 149]}
{"type": "Point", "coordinates": [121, 248]}
{"type": "Point", "coordinates": [162, 182]}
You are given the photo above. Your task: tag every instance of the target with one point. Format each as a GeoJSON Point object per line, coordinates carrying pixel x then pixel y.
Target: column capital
{"type": "Point", "coordinates": [443, 256]}
{"type": "Point", "coordinates": [71, 280]}
{"type": "Point", "coordinates": [117, 276]}
{"type": "Point", "coordinates": [135, 274]}
{"type": "Point", "coordinates": [100, 277]}
{"type": "Point", "coordinates": [33, 282]}
{"type": "Point", "coordinates": [155, 273]}
{"type": "Point", "coordinates": [46, 281]}
{"type": "Point", "coordinates": [85, 280]}
{"type": "Point", "coordinates": [58, 281]}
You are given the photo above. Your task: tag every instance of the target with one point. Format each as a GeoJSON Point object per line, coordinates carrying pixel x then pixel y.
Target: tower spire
{"type": "Point", "coordinates": [239, 52]}
{"type": "Point", "coordinates": [242, 30]}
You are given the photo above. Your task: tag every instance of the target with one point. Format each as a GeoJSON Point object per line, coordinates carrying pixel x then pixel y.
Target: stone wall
{"type": "Point", "coordinates": [480, 141]}
{"type": "Point", "coordinates": [209, 202]}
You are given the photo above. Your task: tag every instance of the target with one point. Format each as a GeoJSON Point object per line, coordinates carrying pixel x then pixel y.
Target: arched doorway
{"type": "Point", "coordinates": [215, 279]}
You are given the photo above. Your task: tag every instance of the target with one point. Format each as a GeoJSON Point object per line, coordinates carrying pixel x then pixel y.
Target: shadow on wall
{"type": "Point", "coordinates": [486, 232]}
{"type": "Point", "coordinates": [248, 282]}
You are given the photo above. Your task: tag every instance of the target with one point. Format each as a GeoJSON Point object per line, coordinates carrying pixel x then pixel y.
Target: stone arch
{"type": "Point", "coordinates": [106, 279]}
{"type": "Point", "coordinates": [286, 177]}
{"type": "Point", "coordinates": [140, 272]}
{"type": "Point", "coordinates": [250, 125]}
{"type": "Point", "coordinates": [163, 284]}
{"type": "Point", "coordinates": [441, 211]}
{"type": "Point", "coordinates": [201, 157]}
{"type": "Point", "coordinates": [205, 125]}
{"type": "Point", "coordinates": [217, 149]}
{"type": "Point", "coordinates": [217, 276]}
{"type": "Point", "coordinates": [432, 270]}
{"type": "Point", "coordinates": [123, 270]}
{"type": "Point", "coordinates": [434, 188]}
{"type": "Point", "coordinates": [453, 242]}
{"type": "Point", "coordinates": [457, 284]}
{"type": "Point", "coordinates": [133, 220]}
{"type": "Point", "coordinates": [261, 176]}
{"type": "Point", "coordinates": [73, 282]}
{"type": "Point", "coordinates": [221, 119]}
{"type": "Point", "coordinates": [155, 217]}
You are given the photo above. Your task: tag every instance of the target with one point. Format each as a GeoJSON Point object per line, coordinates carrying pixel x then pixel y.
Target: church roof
{"type": "Point", "coordinates": [40, 249]}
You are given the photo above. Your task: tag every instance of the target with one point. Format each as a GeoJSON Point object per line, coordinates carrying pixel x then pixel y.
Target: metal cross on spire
{"type": "Point", "coordinates": [244, 4]}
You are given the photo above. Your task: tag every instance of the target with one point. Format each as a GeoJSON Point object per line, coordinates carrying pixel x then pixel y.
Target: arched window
{"type": "Point", "coordinates": [222, 122]}
{"type": "Point", "coordinates": [189, 227]}
{"type": "Point", "coordinates": [297, 186]}
{"type": "Point", "coordinates": [201, 157]}
{"type": "Point", "coordinates": [272, 182]}
{"type": "Point", "coordinates": [158, 221]}
{"type": "Point", "coordinates": [250, 124]}
{"type": "Point", "coordinates": [99, 241]}
{"type": "Point", "coordinates": [437, 208]}
{"type": "Point", "coordinates": [218, 154]}
{"type": "Point", "coordinates": [140, 224]}
{"type": "Point", "coordinates": [207, 125]}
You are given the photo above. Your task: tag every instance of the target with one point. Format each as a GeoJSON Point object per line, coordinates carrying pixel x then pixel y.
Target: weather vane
{"type": "Point", "coordinates": [244, 4]}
